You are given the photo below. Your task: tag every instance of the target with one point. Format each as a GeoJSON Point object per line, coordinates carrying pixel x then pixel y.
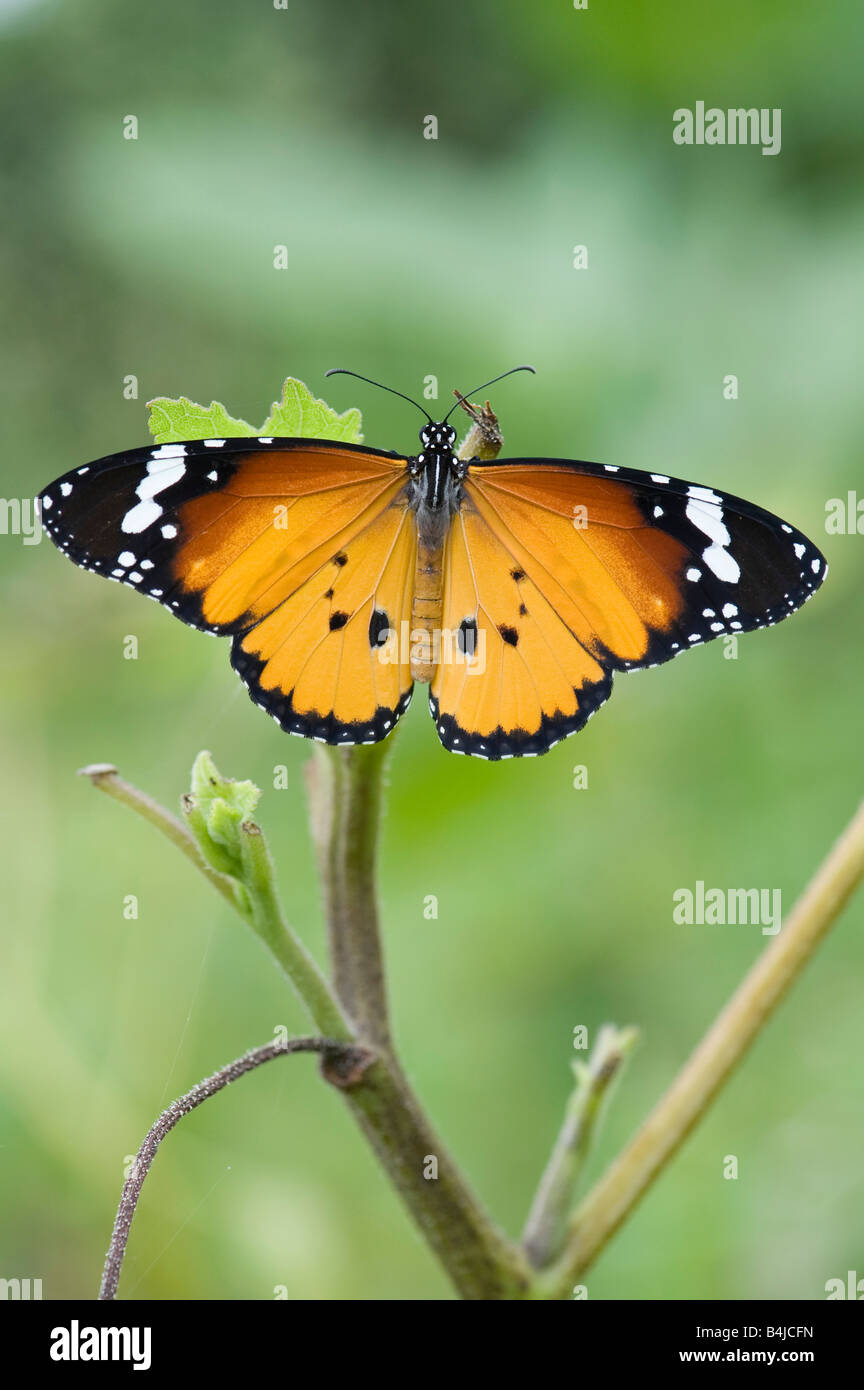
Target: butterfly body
{"type": "Point", "coordinates": [523, 585]}
{"type": "Point", "coordinates": [436, 473]}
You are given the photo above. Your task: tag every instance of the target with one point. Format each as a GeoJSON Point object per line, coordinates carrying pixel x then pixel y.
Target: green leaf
{"type": "Point", "coordinates": [171, 421]}
{"type": "Point", "coordinates": [297, 415]}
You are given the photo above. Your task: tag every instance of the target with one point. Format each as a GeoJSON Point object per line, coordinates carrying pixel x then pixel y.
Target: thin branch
{"type": "Point", "coordinates": [350, 1060]}
{"type": "Point", "coordinates": [255, 898]}
{"type": "Point", "coordinates": [106, 778]}
{"type": "Point", "coordinates": [727, 1041]}
{"type": "Point", "coordinates": [546, 1226]}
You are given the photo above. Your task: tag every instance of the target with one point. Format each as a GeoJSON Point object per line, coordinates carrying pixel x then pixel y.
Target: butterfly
{"type": "Point", "coordinates": [345, 574]}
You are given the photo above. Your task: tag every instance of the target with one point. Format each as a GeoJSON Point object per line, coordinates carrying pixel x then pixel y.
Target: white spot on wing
{"type": "Point", "coordinates": [707, 516]}
{"type": "Point", "coordinates": [163, 470]}
{"type": "Point", "coordinates": [705, 494]}
{"type": "Point", "coordinates": [724, 565]}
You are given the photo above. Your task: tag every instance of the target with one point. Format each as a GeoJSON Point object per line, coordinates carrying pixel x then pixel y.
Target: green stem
{"type": "Point", "coordinates": [344, 787]}
{"type": "Point", "coordinates": [345, 797]}
{"type": "Point", "coordinates": [481, 1262]}
{"type": "Point", "coordinates": [269, 922]}
{"type": "Point", "coordinates": [545, 1229]}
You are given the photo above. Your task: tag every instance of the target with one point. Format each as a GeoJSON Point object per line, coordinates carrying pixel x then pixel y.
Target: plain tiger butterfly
{"type": "Point", "coordinates": [343, 574]}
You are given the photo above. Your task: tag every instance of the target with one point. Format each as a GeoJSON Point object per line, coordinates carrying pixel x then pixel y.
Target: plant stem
{"type": "Point", "coordinates": [482, 1263]}
{"type": "Point", "coordinates": [351, 1057]}
{"type": "Point", "coordinates": [632, 1173]}
{"type": "Point", "coordinates": [344, 786]}
{"type": "Point", "coordinates": [546, 1226]}
{"type": "Point", "coordinates": [269, 922]}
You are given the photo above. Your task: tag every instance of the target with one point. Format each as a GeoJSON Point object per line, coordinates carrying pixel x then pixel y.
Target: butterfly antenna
{"type": "Point", "coordinates": [483, 388]}
{"type": "Point", "coordinates": [345, 371]}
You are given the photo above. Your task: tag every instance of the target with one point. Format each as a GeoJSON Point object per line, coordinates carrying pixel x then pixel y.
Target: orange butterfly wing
{"type": "Point", "coordinates": [296, 548]}
{"type": "Point", "coordinates": [573, 571]}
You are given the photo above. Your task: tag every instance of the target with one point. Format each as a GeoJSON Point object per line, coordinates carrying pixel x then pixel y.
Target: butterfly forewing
{"type": "Point", "coordinates": [261, 539]}
{"type": "Point", "coordinates": [581, 570]}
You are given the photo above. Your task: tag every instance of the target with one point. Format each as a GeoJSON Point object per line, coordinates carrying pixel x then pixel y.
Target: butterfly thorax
{"type": "Point", "coordinates": [435, 473]}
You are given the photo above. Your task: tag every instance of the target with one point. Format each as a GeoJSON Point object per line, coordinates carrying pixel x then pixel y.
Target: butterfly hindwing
{"type": "Point", "coordinates": [626, 568]}
{"type": "Point", "coordinates": [326, 662]}
{"type": "Point", "coordinates": [528, 682]}
{"type": "Point", "coordinates": [235, 533]}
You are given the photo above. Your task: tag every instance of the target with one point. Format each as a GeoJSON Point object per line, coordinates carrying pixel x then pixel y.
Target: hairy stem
{"type": "Point", "coordinates": [344, 786]}
{"type": "Point", "coordinates": [690, 1095]}
{"type": "Point", "coordinates": [350, 1059]}
{"type": "Point", "coordinates": [481, 1262]}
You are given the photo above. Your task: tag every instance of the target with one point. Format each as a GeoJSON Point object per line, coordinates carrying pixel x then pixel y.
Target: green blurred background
{"type": "Point", "coordinates": [453, 257]}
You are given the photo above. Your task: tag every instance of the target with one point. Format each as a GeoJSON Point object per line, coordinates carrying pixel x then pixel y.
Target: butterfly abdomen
{"type": "Point", "coordinates": [433, 518]}
{"type": "Point", "coordinates": [426, 609]}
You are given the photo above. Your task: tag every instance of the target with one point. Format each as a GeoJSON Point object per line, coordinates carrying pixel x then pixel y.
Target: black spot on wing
{"type": "Point", "coordinates": [379, 626]}
{"type": "Point", "coordinates": [467, 637]}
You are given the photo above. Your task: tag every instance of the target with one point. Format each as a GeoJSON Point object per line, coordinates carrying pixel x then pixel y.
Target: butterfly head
{"type": "Point", "coordinates": [440, 438]}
